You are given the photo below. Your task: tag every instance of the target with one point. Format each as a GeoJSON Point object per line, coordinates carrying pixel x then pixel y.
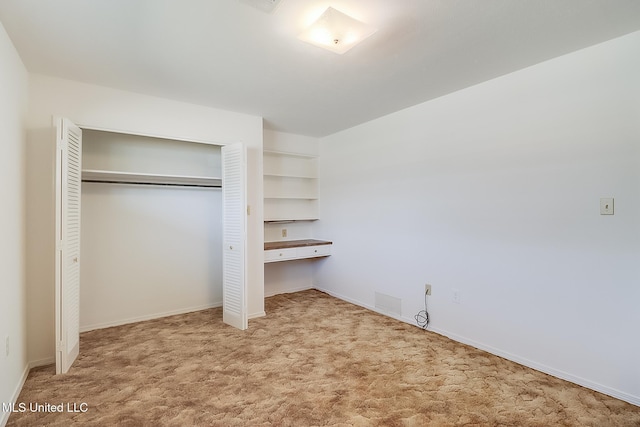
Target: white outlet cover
{"type": "Point", "coordinates": [606, 206]}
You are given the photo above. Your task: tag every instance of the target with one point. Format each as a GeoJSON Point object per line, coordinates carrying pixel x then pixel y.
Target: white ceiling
{"type": "Point", "coordinates": [226, 54]}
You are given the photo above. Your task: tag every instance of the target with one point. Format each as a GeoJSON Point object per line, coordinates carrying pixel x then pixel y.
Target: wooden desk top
{"type": "Point", "coordinates": [294, 244]}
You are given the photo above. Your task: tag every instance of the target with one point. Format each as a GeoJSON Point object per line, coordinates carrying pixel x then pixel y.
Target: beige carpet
{"type": "Point", "coordinates": [313, 360]}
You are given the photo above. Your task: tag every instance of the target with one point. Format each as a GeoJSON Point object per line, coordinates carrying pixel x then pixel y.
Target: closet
{"type": "Point", "coordinates": [151, 228]}
{"type": "Point", "coordinates": [139, 247]}
{"type": "Point", "coordinates": [156, 229]}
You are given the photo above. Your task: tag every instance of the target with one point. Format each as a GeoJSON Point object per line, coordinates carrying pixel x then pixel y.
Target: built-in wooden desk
{"type": "Point", "coordinates": [296, 249]}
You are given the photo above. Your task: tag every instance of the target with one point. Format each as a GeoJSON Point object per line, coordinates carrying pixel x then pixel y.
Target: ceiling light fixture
{"type": "Point", "coordinates": [336, 32]}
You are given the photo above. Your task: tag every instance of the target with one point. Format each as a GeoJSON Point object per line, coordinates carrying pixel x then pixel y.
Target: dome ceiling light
{"type": "Point", "coordinates": [336, 32]}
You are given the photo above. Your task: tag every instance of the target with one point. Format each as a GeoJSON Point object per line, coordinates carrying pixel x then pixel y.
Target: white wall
{"type": "Point", "coordinates": [13, 107]}
{"type": "Point", "coordinates": [133, 153]}
{"type": "Point", "coordinates": [148, 251]}
{"type": "Point", "coordinates": [104, 108]}
{"type": "Point", "coordinates": [494, 191]}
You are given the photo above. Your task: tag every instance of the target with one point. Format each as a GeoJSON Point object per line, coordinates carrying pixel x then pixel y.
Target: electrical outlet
{"type": "Point", "coordinates": [284, 232]}
{"type": "Point", "coordinates": [6, 346]}
{"type": "Point", "coordinates": [455, 296]}
{"type": "Point", "coordinates": [427, 289]}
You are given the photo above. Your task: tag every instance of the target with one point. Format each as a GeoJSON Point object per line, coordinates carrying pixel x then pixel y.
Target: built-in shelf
{"type": "Point", "coordinates": [292, 197]}
{"type": "Point", "coordinates": [290, 186]}
{"type": "Point", "coordinates": [92, 175]}
{"type": "Point", "coordinates": [287, 220]}
{"type": "Point", "coordinates": [284, 244]}
{"type": "Point", "coordinates": [282, 175]}
{"type": "Point", "coordinates": [289, 153]}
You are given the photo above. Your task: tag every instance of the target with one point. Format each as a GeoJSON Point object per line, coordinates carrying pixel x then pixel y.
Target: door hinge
{"type": "Point", "coordinates": [59, 346]}
{"type": "Point", "coordinates": [59, 245]}
{"type": "Point", "coordinates": [248, 210]}
{"type": "Point", "coordinates": [61, 142]}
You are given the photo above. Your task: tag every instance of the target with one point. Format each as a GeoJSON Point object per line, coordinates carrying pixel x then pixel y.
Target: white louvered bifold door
{"type": "Point", "coordinates": [234, 291]}
{"type": "Point", "coordinates": [68, 182]}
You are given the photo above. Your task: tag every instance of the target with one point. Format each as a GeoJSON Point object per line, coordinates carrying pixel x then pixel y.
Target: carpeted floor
{"type": "Point", "coordinates": [313, 360]}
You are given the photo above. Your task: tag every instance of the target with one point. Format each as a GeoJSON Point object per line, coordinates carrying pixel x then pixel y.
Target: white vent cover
{"type": "Point", "coordinates": [388, 304]}
{"type": "Point", "coordinates": [266, 6]}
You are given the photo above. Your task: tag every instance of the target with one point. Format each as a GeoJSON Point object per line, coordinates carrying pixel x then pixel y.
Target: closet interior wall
{"type": "Point", "coordinates": [148, 250]}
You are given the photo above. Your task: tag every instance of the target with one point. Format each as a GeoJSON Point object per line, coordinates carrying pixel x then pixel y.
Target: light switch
{"type": "Point", "coordinates": [606, 206]}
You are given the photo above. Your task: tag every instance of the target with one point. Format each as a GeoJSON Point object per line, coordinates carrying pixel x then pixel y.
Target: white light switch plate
{"type": "Point", "coordinates": [606, 206]}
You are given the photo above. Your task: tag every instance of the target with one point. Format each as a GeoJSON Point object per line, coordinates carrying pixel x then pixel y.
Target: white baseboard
{"type": "Point", "coordinates": [42, 362]}
{"type": "Point", "coordinates": [271, 294]}
{"type": "Point", "coordinates": [634, 400]}
{"type": "Point", "coordinates": [288, 291]}
{"type": "Point", "coordinates": [256, 315]}
{"type": "Point", "coordinates": [4, 416]}
{"type": "Point", "coordinates": [120, 322]}
{"type": "Point", "coordinates": [367, 306]}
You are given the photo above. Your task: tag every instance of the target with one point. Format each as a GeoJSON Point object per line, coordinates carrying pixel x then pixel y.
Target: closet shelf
{"type": "Point", "coordinates": [283, 175]}
{"type": "Point", "coordinates": [92, 175]}
{"type": "Point", "coordinates": [291, 197]}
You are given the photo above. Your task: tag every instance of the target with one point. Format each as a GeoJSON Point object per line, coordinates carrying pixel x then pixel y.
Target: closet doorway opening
{"type": "Point", "coordinates": [161, 228]}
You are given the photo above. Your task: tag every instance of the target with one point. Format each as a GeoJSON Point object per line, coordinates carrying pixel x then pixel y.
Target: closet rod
{"type": "Point", "coordinates": [150, 183]}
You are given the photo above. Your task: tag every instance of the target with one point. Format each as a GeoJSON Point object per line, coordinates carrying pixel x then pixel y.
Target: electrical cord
{"type": "Point", "coordinates": [422, 318]}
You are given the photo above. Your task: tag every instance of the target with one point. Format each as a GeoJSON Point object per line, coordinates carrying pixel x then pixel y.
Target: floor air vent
{"type": "Point", "coordinates": [388, 304]}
